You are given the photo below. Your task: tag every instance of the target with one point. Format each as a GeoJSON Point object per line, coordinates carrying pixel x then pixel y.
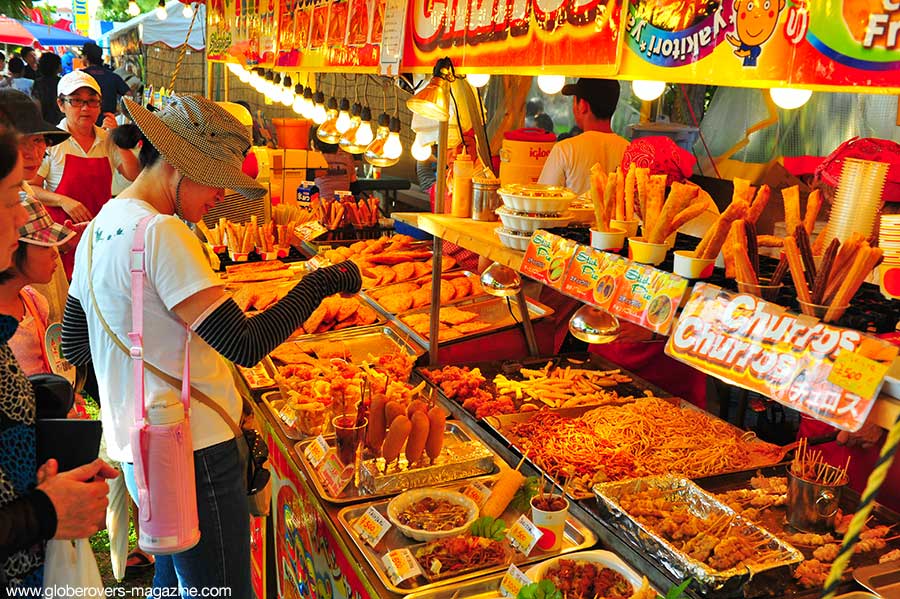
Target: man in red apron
{"type": "Point", "coordinates": [76, 175]}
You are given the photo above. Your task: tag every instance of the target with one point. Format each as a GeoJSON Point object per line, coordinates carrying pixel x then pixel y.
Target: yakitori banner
{"type": "Point", "coordinates": [765, 43]}
{"type": "Point", "coordinates": [561, 37]}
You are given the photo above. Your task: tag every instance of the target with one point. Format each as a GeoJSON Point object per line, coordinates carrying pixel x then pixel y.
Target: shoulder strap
{"type": "Point", "coordinates": [195, 393]}
{"type": "Point", "coordinates": [32, 308]}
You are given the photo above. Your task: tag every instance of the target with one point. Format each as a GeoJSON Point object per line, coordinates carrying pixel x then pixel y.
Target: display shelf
{"type": "Point", "coordinates": [479, 237]}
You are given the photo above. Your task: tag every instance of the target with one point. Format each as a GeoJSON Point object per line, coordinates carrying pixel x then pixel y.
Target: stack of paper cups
{"type": "Point", "coordinates": [857, 200]}
{"type": "Point", "coordinates": [889, 271]}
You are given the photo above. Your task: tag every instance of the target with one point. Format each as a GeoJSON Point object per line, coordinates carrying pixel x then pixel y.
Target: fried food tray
{"type": "Point", "coordinates": [363, 342]}
{"type": "Point", "coordinates": [774, 519]}
{"type": "Point", "coordinates": [577, 536]}
{"type": "Point", "coordinates": [512, 369]}
{"type": "Point", "coordinates": [500, 425]}
{"type": "Point", "coordinates": [260, 377]}
{"type": "Point", "coordinates": [480, 588]}
{"type": "Point", "coordinates": [379, 321]}
{"type": "Point", "coordinates": [747, 581]}
{"type": "Point", "coordinates": [463, 456]}
{"type": "Point", "coordinates": [370, 294]}
{"type": "Point", "coordinates": [494, 310]}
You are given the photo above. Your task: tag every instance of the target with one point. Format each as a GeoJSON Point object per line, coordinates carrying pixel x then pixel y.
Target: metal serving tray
{"type": "Point", "coordinates": [365, 341]}
{"type": "Point", "coordinates": [463, 456]}
{"type": "Point", "coordinates": [379, 320]}
{"type": "Point", "coordinates": [370, 294]}
{"type": "Point", "coordinates": [289, 431]}
{"type": "Point", "coordinates": [480, 588]}
{"type": "Point", "coordinates": [501, 424]}
{"type": "Point", "coordinates": [881, 579]}
{"type": "Point", "coordinates": [577, 536]}
{"type": "Point", "coordinates": [260, 377]}
{"type": "Point", "coordinates": [748, 581]}
{"type": "Point", "coordinates": [494, 310]}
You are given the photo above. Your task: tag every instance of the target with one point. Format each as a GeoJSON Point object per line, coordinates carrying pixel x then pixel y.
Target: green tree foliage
{"type": "Point", "coordinates": [14, 8]}
{"type": "Point", "coordinates": [117, 10]}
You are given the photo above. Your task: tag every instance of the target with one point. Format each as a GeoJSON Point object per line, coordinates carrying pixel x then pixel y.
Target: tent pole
{"type": "Point", "coordinates": [209, 76]}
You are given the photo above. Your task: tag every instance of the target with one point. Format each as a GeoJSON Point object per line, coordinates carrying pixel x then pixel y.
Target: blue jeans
{"type": "Point", "coordinates": [222, 557]}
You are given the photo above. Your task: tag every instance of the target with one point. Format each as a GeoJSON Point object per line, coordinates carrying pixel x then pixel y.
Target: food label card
{"type": "Point", "coordinates": [334, 475]}
{"type": "Point", "coordinates": [858, 374]}
{"type": "Point", "coordinates": [523, 535]}
{"type": "Point", "coordinates": [316, 451]}
{"type": "Point", "coordinates": [513, 581]}
{"type": "Point", "coordinates": [400, 565]}
{"type": "Point", "coordinates": [372, 526]}
{"type": "Point", "coordinates": [477, 492]}
{"type": "Point", "coordinates": [309, 230]}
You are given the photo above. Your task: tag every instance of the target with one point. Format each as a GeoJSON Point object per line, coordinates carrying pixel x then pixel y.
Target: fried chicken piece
{"type": "Point", "coordinates": [315, 319]}
{"type": "Point", "coordinates": [811, 573]}
{"type": "Point", "coordinates": [365, 315]}
{"type": "Point", "coordinates": [348, 308]}
{"type": "Point", "coordinates": [452, 315]}
{"type": "Point", "coordinates": [407, 287]}
{"type": "Point", "coordinates": [890, 556]}
{"type": "Point", "coordinates": [404, 271]}
{"type": "Point", "coordinates": [471, 327]}
{"type": "Point", "coordinates": [422, 297]}
{"type": "Point", "coordinates": [422, 268]}
{"type": "Point", "coordinates": [463, 287]}
{"type": "Point", "coordinates": [397, 303]}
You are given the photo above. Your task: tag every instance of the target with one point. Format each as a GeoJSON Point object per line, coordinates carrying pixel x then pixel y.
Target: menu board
{"type": "Point", "coordinates": [830, 373]}
{"type": "Point", "coordinates": [637, 293]}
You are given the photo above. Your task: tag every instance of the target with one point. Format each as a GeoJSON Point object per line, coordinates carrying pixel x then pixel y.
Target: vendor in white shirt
{"type": "Point", "coordinates": [75, 178]}
{"type": "Point", "coordinates": [569, 163]}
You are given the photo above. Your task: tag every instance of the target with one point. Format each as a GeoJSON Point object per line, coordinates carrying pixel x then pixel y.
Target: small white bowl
{"type": "Point", "coordinates": [525, 222]}
{"type": "Point", "coordinates": [512, 239]}
{"type": "Point", "coordinates": [536, 198]}
{"type": "Point", "coordinates": [600, 558]}
{"type": "Point", "coordinates": [404, 500]}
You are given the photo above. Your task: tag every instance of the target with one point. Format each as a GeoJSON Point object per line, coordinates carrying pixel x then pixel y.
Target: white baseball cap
{"type": "Point", "coordinates": [74, 81]}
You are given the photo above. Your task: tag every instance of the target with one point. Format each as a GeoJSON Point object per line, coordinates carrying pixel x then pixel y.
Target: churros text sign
{"type": "Point", "coordinates": [788, 357]}
{"type": "Point", "coordinates": [637, 293]}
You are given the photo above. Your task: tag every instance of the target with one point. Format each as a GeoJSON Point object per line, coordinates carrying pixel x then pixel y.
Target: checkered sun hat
{"type": "Point", "coordinates": [200, 139]}
{"type": "Point", "coordinates": [40, 228]}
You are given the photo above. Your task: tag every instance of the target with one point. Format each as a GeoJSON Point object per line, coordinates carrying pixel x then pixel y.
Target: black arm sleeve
{"type": "Point", "coordinates": [76, 345]}
{"type": "Point", "coordinates": [26, 521]}
{"type": "Point", "coordinates": [245, 341]}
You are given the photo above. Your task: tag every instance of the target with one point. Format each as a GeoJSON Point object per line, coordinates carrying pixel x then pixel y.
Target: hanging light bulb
{"type": "Point", "coordinates": [419, 150]}
{"type": "Point", "coordinates": [648, 90]}
{"type": "Point", "coordinates": [347, 136]}
{"type": "Point", "coordinates": [255, 77]}
{"type": "Point", "coordinates": [133, 8]}
{"type": "Point", "coordinates": [161, 13]}
{"type": "Point", "coordinates": [244, 75]}
{"type": "Point", "coordinates": [393, 147]}
{"type": "Point", "coordinates": [343, 118]}
{"type": "Point", "coordinates": [188, 11]}
{"type": "Point", "coordinates": [790, 98]}
{"type": "Point", "coordinates": [269, 86]}
{"type": "Point", "coordinates": [308, 104]}
{"type": "Point", "coordinates": [478, 79]}
{"type": "Point", "coordinates": [551, 84]}
{"type": "Point", "coordinates": [298, 99]}
{"type": "Point", "coordinates": [327, 130]}
{"type": "Point", "coordinates": [275, 89]}
{"type": "Point", "coordinates": [318, 114]}
{"type": "Point", "coordinates": [432, 101]}
{"type": "Point", "coordinates": [376, 153]}
{"type": "Point", "coordinates": [287, 91]}
{"type": "Point", "coordinates": [364, 135]}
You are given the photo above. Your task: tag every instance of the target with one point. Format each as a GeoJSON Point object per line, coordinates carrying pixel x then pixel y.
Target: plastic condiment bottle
{"type": "Point", "coordinates": [463, 167]}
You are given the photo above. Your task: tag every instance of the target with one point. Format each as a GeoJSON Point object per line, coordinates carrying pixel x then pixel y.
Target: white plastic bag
{"type": "Point", "coordinates": [70, 569]}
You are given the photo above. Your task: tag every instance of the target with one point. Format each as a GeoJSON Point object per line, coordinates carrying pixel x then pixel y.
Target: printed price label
{"type": "Point", "coordinates": [318, 261]}
{"type": "Point", "coordinates": [400, 565]}
{"type": "Point", "coordinates": [523, 535]}
{"type": "Point", "coordinates": [477, 492]}
{"type": "Point", "coordinates": [372, 526]}
{"type": "Point", "coordinates": [513, 581]}
{"type": "Point", "coordinates": [857, 374]}
{"type": "Point", "coordinates": [316, 451]}
{"type": "Point", "coordinates": [309, 230]}
{"type": "Point", "coordinates": [334, 475]}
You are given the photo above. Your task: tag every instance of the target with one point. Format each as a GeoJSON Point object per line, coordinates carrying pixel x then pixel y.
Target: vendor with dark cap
{"type": "Point", "coordinates": [569, 163]}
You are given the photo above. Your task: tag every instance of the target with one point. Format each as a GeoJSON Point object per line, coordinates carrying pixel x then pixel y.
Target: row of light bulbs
{"type": "Point", "coordinates": [349, 127]}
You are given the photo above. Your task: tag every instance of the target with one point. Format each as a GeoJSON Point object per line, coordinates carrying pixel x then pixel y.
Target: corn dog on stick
{"type": "Point", "coordinates": [862, 266]}
{"type": "Point", "coordinates": [795, 263]}
{"type": "Point", "coordinates": [813, 204]}
{"type": "Point", "coordinates": [502, 493]}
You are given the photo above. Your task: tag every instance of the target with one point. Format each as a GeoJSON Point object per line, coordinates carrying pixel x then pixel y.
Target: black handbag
{"type": "Point", "coordinates": [53, 394]}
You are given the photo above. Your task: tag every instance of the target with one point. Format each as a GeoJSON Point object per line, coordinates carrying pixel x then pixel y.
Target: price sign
{"type": "Point", "coordinates": [477, 492]}
{"type": "Point", "coordinates": [857, 374]}
{"type": "Point", "coordinates": [372, 526]}
{"type": "Point", "coordinates": [316, 451]}
{"type": "Point", "coordinates": [309, 230]}
{"type": "Point", "coordinates": [318, 261]}
{"type": "Point", "coordinates": [523, 535]}
{"type": "Point", "coordinates": [400, 565]}
{"type": "Point", "coordinates": [334, 475]}
{"type": "Point", "coordinates": [513, 581]}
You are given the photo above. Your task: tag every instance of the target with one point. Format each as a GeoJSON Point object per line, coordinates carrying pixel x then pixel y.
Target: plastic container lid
{"type": "Point", "coordinates": [529, 134]}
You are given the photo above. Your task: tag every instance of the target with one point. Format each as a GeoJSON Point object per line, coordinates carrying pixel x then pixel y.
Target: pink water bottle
{"type": "Point", "coordinates": [161, 439]}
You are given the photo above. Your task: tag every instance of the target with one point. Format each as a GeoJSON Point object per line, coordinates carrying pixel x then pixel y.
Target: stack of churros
{"type": "Point", "coordinates": [605, 196]}
{"type": "Point", "coordinates": [828, 288]}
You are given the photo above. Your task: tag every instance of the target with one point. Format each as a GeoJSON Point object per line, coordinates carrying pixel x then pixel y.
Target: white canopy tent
{"type": "Point", "coordinates": [171, 32]}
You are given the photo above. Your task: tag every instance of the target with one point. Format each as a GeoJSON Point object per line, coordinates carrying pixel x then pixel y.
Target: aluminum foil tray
{"type": "Point", "coordinates": [463, 456]}
{"type": "Point", "coordinates": [748, 581]}
{"type": "Point", "coordinates": [471, 583]}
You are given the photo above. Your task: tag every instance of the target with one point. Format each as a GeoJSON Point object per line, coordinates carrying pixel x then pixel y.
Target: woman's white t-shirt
{"type": "Point", "coordinates": [175, 270]}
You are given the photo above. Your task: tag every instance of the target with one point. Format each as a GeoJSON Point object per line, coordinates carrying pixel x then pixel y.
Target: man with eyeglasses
{"type": "Point", "coordinates": [79, 170]}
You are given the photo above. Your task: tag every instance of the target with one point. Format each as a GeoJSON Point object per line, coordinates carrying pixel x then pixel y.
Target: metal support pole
{"type": "Point", "coordinates": [530, 339]}
{"type": "Point", "coordinates": [225, 86]}
{"type": "Point", "coordinates": [440, 188]}
{"type": "Point", "coordinates": [209, 79]}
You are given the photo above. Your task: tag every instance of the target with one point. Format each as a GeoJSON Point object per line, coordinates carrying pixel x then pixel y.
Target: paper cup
{"type": "Point", "coordinates": [692, 268]}
{"type": "Point", "coordinates": [821, 311]}
{"type": "Point", "coordinates": [646, 253]}
{"type": "Point", "coordinates": [282, 251]}
{"type": "Point", "coordinates": [268, 255]}
{"type": "Point", "coordinates": [630, 226]}
{"type": "Point", "coordinates": [218, 249]}
{"type": "Point", "coordinates": [764, 289]}
{"type": "Point", "coordinates": [551, 523]}
{"type": "Point", "coordinates": [238, 256]}
{"type": "Point", "coordinates": [889, 281]}
{"type": "Point", "coordinates": [611, 241]}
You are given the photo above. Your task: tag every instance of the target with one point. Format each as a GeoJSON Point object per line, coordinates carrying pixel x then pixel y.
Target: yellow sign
{"type": "Point", "coordinates": [858, 374]}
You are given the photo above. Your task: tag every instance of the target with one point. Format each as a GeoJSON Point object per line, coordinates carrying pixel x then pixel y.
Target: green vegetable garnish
{"type": "Point", "coordinates": [521, 501]}
{"type": "Point", "coordinates": [544, 589]}
{"type": "Point", "coordinates": [678, 592]}
{"type": "Point", "coordinates": [488, 528]}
